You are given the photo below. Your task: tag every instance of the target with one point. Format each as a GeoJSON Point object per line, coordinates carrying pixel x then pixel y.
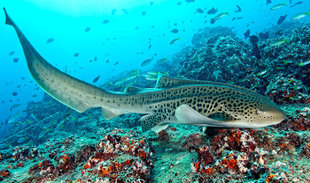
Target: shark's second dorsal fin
{"type": "Point", "coordinates": [168, 82]}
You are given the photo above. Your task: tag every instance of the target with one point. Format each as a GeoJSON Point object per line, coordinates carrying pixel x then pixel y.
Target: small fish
{"type": "Point", "coordinates": [162, 60]}
{"type": "Point", "coordinates": [281, 19]}
{"type": "Point", "coordinates": [304, 63]}
{"type": "Point", "coordinates": [14, 94]}
{"type": "Point", "coordinates": [218, 17]}
{"type": "Point", "coordinates": [297, 3]}
{"type": "Point", "coordinates": [237, 18]}
{"type": "Point", "coordinates": [113, 11]}
{"type": "Point", "coordinates": [105, 21]}
{"type": "Point", "coordinates": [116, 63]}
{"type": "Point", "coordinates": [238, 9]}
{"type": "Point", "coordinates": [174, 41]}
{"type": "Point", "coordinates": [87, 29]}
{"type": "Point", "coordinates": [150, 46]}
{"type": "Point", "coordinates": [277, 6]}
{"type": "Point", "coordinates": [76, 54]}
{"type": "Point", "coordinates": [174, 31]}
{"type": "Point", "coordinates": [300, 15]}
{"type": "Point", "coordinates": [247, 34]}
{"type": "Point", "coordinates": [95, 58]}
{"type": "Point", "coordinates": [212, 11]}
{"type": "Point", "coordinates": [50, 40]}
{"type": "Point", "coordinates": [11, 53]}
{"type": "Point", "coordinates": [199, 10]}
{"type": "Point", "coordinates": [262, 73]}
{"type": "Point", "coordinates": [15, 60]}
{"type": "Point", "coordinates": [150, 78]}
{"type": "Point", "coordinates": [133, 72]}
{"type": "Point", "coordinates": [143, 13]}
{"type": "Point", "coordinates": [278, 42]}
{"type": "Point", "coordinates": [154, 74]}
{"type": "Point", "coordinates": [268, 2]}
{"type": "Point", "coordinates": [190, 1]}
{"type": "Point", "coordinates": [107, 61]}
{"type": "Point", "coordinates": [179, 3]}
{"type": "Point", "coordinates": [125, 11]}
{"type": "Point", "coordinates": [146, 62]}
{"type": "Point", "coordinates": [96, 79]}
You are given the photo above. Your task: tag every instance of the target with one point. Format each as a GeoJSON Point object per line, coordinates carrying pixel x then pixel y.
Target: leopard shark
{"type": "Point", "coordinates": [182, 101]}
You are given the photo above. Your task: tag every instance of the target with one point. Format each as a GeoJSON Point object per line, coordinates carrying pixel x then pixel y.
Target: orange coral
{"type": "Point", "coordinates": [283, 145]}
{"type": "Point", "coordinates": [66, 158]}
{"type": "Point", "coordinates": [197, 166]}
{"type": "Point", "coordinates": [209, 171]}
{"type": "Point", "coordinates": [5, 173]}
{"type": "Point", "coordinates": [142, 142]}
{"type": "Point", "coordinates": [142, 154]}
{"type": "Point", "coordinates": [87, 165]}
{"type": "Point", "coordinates": [232, 163]}
{"type": "Point", "coordinates": [127, 161]}
{"type": "Point", "coordinates": [269, 178]}
{"type": "Point", "coordinates": [104, 172]}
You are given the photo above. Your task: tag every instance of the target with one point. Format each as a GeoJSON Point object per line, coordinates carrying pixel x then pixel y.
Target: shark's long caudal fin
{"type": "Point", "coordinates": [68, 90]}
{"type": "Point", "coordinates": [7, 18]}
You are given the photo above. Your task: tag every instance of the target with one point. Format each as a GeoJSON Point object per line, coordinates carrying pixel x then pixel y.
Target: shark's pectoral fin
{"type": "Point", "coordinates": [152, 122]}
{"type": "Point", "coordinates": [187, 115]}
{"type": "Point", "coordinates": [109, 113]}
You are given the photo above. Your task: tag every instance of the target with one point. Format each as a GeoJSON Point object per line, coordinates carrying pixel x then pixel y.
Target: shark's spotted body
{"type": "Point", "coordinates": [200, 103]}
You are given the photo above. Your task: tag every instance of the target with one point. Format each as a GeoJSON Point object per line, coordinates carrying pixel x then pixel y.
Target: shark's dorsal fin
{"type": "Point", "coordinates": [132, 89]}
{"type": "Point", "coordinates": [168, 82]}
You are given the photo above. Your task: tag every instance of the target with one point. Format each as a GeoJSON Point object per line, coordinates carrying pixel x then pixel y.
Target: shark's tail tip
{"type": "Point", "coordinates": [8, 20]}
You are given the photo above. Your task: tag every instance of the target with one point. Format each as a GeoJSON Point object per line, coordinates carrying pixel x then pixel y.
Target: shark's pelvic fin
{"type": "Point", "coordinates": [151, 121]}
{"type": "Point", "coordinates": [109, 113]}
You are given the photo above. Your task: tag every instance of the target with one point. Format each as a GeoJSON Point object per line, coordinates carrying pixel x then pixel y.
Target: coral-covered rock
{"type": "Point", "coordinates": [193, 141]}
{"type": "Point", "coordinates": [235, 140]}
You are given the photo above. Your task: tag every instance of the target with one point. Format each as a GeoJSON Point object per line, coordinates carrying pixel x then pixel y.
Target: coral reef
{"type": "Point", "coordinates": [226, 58]}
